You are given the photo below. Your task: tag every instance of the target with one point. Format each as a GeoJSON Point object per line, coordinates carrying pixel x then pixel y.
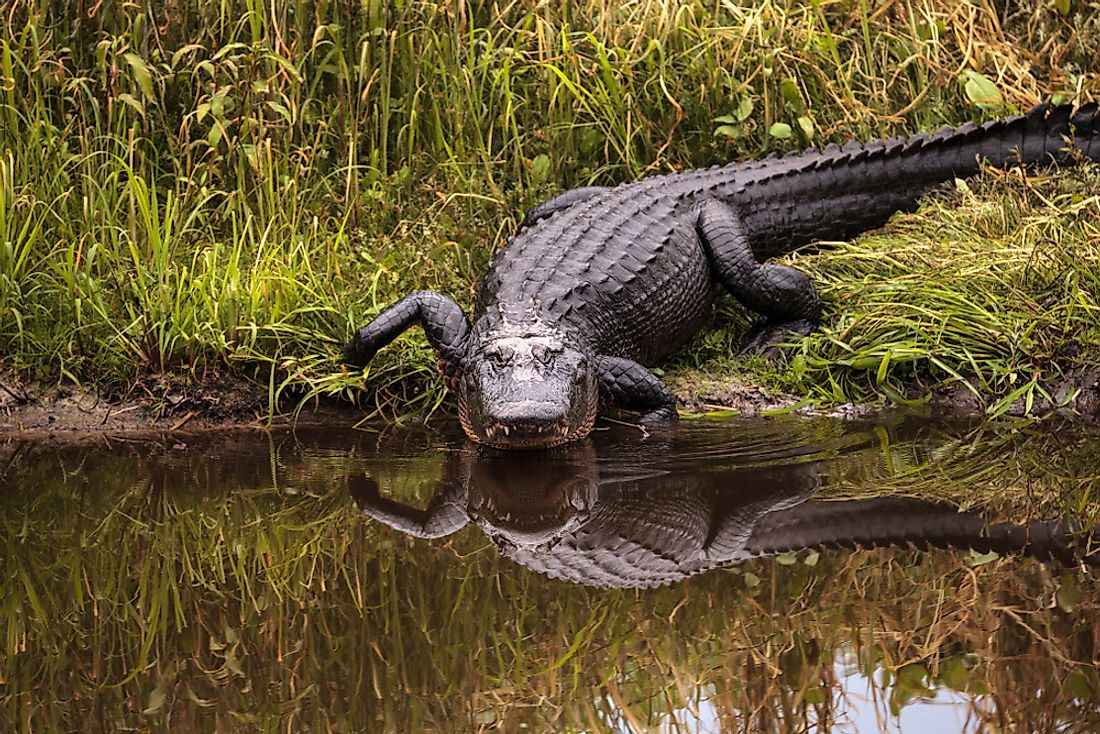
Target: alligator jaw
{"type": "Point", "coordinates": [525, 435]}
{"type": "Point", "coordinates": [525, 431]}
{"type": "Point", "coordinates": [521, 434]}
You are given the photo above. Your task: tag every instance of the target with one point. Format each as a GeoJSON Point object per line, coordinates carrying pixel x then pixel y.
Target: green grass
{"type": "Point", "coordinates": [232, 186]}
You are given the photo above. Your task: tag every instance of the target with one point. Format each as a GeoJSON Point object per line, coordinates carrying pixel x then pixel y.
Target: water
{"type": "Point", "coordinates": [403, 580]}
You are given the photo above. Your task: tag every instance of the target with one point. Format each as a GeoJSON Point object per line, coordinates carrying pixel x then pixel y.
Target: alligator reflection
{"type": "Point", "coordinates": [611, 514]}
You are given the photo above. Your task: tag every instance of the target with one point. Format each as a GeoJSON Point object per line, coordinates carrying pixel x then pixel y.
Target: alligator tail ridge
{"type": "Point", "coordinates": [838, 192]}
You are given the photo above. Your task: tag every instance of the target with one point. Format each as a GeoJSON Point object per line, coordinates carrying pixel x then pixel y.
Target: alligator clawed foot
{"type": "Point", "coordinates": [659, 417]}
{"type": "Point", "coordinates": [358, 352]}
{"type": "Point", "coordinates": [772, 339]}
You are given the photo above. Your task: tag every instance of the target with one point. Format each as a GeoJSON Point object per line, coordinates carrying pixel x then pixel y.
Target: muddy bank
{"type": "Point", "coordinates": [163, 403]}
{"type": "Point", "coordinates": [159, 403]}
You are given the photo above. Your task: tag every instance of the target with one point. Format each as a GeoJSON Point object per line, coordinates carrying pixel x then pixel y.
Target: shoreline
{"type": "Point", "coordinates": [163, 404]}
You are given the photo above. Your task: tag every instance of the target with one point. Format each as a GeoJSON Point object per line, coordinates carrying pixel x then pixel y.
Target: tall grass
{"type": "Point", "coordinates": [235, 184]}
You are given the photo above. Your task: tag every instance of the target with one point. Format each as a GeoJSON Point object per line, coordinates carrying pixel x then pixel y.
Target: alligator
{"type": "Point", "coordinates": [567, 516]}
{"type": "Point", "coordinates": [601, 283]}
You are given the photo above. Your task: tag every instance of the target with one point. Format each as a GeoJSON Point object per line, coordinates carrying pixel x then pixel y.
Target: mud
{"type": "Point", "coordinates": [158, 403]}
{"type": "Point", "coordinates": [162, 403]}
{"type": "Point", "coordinates": [1075, 396]}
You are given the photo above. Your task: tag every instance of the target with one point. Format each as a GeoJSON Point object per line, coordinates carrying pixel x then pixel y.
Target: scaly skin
{"type": "Point", "coordinates": [601, 283]}
{"type": "Point", "coordinates": [562, 519]}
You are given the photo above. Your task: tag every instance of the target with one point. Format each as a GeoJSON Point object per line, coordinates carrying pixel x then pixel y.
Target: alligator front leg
{"type": "Point", "coordinates": [560, 202]}
{"type": "Point", "coordinates": [445, 515]}
{"type": "Point", "coordinates": [630, 385]}
{"type": "Point", "coordinates": [783, 295]}
{"type": "Point", "coordinates": [443, 321]}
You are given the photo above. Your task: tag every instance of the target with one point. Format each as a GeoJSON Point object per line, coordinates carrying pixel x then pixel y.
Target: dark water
{"type": "Point", "coordinates": [706, 578]}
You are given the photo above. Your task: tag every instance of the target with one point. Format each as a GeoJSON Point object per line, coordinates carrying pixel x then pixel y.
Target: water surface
{"type": "Point", "coordinates": [695, 579]}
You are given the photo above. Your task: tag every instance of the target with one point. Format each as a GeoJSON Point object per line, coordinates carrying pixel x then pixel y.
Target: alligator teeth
{"type": "Point", "coordinates": [507, 431]}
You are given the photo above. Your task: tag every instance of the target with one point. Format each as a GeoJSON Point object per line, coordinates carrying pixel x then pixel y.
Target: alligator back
{"type": "Point", "coordinates": [624, 270]}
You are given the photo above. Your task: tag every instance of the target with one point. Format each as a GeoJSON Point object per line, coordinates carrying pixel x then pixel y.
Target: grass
{"type": "Point", "coordinates": [232, 186]}
{"type": "Point", "coordinates": [231, 586]}
{"type": "Point", "coordinates": [1013, 300]}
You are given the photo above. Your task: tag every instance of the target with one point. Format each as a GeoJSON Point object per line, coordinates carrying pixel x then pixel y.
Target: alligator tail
{"type": "Point", "coordinates": [838, 192]}
{"type": "Point", "coordinates": [904, 522]}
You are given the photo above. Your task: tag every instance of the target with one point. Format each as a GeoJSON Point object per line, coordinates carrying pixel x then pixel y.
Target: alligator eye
{"type": "Point", "coordinates": [495, 354]}
{"type": "Point", "coordinates": [542, 353]}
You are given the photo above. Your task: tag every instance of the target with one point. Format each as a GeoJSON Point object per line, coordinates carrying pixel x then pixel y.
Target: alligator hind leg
{"type": "Point", "coordinates": [442, 319]}
{"type": "Point", "coordinates": [783, 295]}
{"type": "Point", "coordinates": [632, 386]}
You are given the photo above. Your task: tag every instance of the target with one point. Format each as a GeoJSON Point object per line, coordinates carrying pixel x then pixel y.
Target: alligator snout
{"type": "Point", "coordinates": [528, 412]}
{"type": "Point", "coordinates": [527, 423]}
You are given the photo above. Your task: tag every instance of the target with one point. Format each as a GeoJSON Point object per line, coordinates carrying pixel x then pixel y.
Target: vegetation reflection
{"type": "Point", "coordinates": [227, 582]}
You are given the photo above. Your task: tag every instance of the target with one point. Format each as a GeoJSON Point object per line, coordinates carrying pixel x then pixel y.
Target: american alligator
{"type": "Point", "coordinates": [563, 514]}
{"type": "Point", "coordinates": [601, 283]}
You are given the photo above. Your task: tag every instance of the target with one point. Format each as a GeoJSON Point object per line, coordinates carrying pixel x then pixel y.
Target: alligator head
{"type": "Point", "coordinates": [535, 499]}
{"type": "Point", "coordinates": [526, 387]}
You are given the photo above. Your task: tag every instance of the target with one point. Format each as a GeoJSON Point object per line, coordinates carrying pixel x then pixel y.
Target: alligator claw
{"type": "Point", "coordinates": [772, 339]}
{"type": "Point", "coordinates": [660, 417]}
{"type": "Point", "coordinates": [359, 352]}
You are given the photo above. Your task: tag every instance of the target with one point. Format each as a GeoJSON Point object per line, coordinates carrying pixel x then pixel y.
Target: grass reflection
{"type": "Point", "coordinates": [226, 582]}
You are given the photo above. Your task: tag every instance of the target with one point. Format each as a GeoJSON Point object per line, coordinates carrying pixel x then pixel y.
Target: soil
{"type": "Point", "coordinates": [163, 403]}
{"type": "Point", "coordinates": [1075, 396]}
{"type": "Point", "coordinates": [158, 403]}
